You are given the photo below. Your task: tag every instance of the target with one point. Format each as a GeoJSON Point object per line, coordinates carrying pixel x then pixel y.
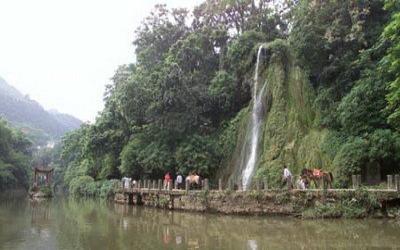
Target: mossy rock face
{"type": "Point", "coordinates": [289, 135]}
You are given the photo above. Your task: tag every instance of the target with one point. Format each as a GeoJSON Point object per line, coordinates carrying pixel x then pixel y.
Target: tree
{"type": "Point", "coordinates": [390, 63]}
{"type": "Point", "coordinates": [15, 153]}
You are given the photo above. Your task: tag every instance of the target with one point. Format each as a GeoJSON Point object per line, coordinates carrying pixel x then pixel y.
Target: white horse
{"type": "Point", "coordinates": [193, 179]}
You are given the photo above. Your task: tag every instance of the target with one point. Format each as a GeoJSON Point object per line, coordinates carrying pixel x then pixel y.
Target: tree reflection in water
{"type": "Point", "coordinates": [88, 224]}
{"type": "Point", "coordinates": [40, 218]}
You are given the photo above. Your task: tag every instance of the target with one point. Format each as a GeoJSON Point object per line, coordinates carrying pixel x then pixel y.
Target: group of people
{"type": "Point", "coordinates": [178, 181]}
{"type": "Point", "coordinates": [302, 183]}
{"type": "Point", "coordinates": [287, 180]}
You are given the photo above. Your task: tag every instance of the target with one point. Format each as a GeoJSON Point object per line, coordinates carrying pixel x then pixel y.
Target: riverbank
{"type": "Point", "coordinates": [349, 203]}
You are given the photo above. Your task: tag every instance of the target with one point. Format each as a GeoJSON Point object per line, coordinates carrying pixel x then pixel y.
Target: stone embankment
{"type": "Point", "coordinates": [326, 203]}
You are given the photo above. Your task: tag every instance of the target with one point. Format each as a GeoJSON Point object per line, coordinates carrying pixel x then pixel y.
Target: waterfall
{"type": "Point", "coordinates": [250, 148]}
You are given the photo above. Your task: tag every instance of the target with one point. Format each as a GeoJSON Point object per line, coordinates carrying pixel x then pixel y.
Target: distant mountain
{"type": "Point", "coordinates": [10, 90]}
{"type": "Point", "coordinates": [69, 121]}
{"type": "Point", "coordinates": [29, 115]}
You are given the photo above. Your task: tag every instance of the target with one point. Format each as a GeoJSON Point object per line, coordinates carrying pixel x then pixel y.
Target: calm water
{"type": "Point", "coordinates": [71, 224]}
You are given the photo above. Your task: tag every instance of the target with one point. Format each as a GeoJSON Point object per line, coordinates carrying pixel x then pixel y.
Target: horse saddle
{"type": "Point", "coordinates": [317, 172]}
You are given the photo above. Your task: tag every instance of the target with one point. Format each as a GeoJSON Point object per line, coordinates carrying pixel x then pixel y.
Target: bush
{"type": "Point", "coordinates": [322, 211]}
{"type": "Point", "coordinates": [107, 188]}
{"type": "Point", "coordinates": [350, 159]}
{"type": "Point", "coordinates": [84, 186]}
{"type": "Point", "coordinates": [382, 146]}
{"type": "Point", "coordinates": [357, 204]}
{"type": "Point", "coordinates": [7, 178]}
{"type": "Point", "coordinates": [47, 191]}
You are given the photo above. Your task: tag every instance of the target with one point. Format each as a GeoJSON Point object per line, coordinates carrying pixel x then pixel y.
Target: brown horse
{"type": "Point", "coordinates": [318, 177]}
{"type": "Point", "coordinates": [193, 180]}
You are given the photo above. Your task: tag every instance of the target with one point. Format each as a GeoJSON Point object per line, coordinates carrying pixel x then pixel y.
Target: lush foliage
{"type": "Point", "coordinates": [171, 110]}
{"type": "Point", "coordinates": [359, 204]}
{"type": "Point", "coordinates": [349, 49]}
{"type": "Point", "coordinates": [178, 107]}
{"type": "Point", "coordinates": [15, 152]}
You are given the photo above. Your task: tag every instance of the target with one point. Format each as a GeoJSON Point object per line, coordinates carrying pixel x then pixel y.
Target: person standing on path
{"type": "Point", "coordinates": [167, 180]}
{"type": "Point", "coordinates": [287, 177]}
{"type": "Point", "coordinates": [179, 181]}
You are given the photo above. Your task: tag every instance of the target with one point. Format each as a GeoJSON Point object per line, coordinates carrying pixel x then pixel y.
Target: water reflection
{"type": "Point", "coordinates": [86, 224]}
{"type": "Point", "coordinates": [252, 245]}
{"type": "Point", "coordinates": [40, 220]}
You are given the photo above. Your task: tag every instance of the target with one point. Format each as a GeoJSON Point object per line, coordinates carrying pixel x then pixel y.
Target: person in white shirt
{"type": "Point", "coordinates": [179, 181]}
{"type": "Point", "coordinates": [287, 177]}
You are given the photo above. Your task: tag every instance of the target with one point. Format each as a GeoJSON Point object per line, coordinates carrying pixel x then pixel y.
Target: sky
{"type": "Point", "coordinates": [62, 53]}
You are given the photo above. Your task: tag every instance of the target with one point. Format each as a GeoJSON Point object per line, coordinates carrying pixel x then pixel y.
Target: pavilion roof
{"type": "Point", "coordinates": [43, 169]}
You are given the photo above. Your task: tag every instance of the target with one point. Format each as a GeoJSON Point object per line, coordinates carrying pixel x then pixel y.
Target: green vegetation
{"type": "Point", "coordinates": [85, 186]}
{"type": "Point", "coordinates": [47, 191]}
{"type": "Point", "coordinates": [333, 94]}
{"type": "Point", "coordinates": [15, 153]}
{"type": "Point", "coordinates": [174, 109]}
{"type": "Point", "coordinates": [346, 122]}
{"type": "Point", "coordinates": [351, 205]}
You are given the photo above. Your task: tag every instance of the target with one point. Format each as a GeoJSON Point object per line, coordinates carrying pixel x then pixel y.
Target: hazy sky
{"type": "Point", "coordinates": [63, 52]}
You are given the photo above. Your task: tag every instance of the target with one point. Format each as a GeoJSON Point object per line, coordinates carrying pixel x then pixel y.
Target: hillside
{"type": "Point", "coordinates": [191, 100]}
{"type": "Point", "coordinates": [29, 115]}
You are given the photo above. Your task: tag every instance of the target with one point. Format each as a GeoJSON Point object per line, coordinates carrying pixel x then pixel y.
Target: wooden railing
{"type": "Point", "coordinates": [393, 185]}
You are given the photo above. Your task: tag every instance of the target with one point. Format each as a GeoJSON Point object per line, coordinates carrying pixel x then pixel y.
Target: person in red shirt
{"type": "Point", "coordinates": [167, 180]}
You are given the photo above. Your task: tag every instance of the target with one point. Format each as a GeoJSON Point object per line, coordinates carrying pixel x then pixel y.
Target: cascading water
{"type": "Point", "coordinates": [250, 147]}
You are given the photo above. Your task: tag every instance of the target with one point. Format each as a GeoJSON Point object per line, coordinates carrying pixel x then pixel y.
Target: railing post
{"type": "Point", "coordinates": [258, 188]}
{"type": "Point", "coordinates": [324, 186]}
{"type": "Point", "coordinates": [397, 182]}
{"type": "Point", "coordinates": [265, 184]}
{"type": "Point", "coordinates": [389, 181]}
{"type": "Point", "coordinates": [220, 184]}
{"type": "Point", "coordinates": [294, 182]}
{"type": "Point", "coordinates": [240, 185]}
{"type": "Point", "coordinates": [354, 181]}
{"type": "Point", "coordinates": [206, 187]}
{"type": "Point", "coordinates": [159, 184]}
{"type": "Point", "coordinates": [170, 185]}
{"type": "Point", "coordinates": [358, 181]}
{"type": "Point", "coordinates": [187, 185]}
{"type": "Point", "coordinates": [230, 185]}
{"type": "Point", "coordinates": [139, 184]}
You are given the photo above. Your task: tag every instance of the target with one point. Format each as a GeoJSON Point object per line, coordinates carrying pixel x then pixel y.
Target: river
{"type": "Point", "coordinates": [90, 224]}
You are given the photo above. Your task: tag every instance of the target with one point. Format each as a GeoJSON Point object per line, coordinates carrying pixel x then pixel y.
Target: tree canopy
{"type": "Point", "coordinates": [177, 107]}
{"type": "Point", "coordinates": [15, 155]}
